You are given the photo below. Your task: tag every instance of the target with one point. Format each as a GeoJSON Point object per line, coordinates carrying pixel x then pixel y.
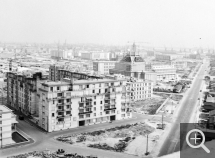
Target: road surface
{"type": "Point", "coordinates": [172, 144]}
{"type": "Point", "coordinates": [42, 140]}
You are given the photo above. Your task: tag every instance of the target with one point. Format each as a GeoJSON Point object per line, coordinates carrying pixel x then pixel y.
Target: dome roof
{"type": "Point", "coordinates": [130, 59]}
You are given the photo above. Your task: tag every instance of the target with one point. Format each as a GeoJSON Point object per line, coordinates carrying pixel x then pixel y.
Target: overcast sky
{"type": "Point", "coordinates": [181, 23]}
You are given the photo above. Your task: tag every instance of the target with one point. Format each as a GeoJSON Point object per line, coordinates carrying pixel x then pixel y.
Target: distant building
{"type": "Point", "coordinates": [95, 55]}
{"type": "Point", "coordinates": [195, 56]}
{"type": "Point", "coordinates": [165, 72]}
{"type": "Point", "coordinates": [163, 57]}
{"type": "Point", "coordinates": [62, 54]}
{"type": "Point", "coordinates": [179, 64]}
{"type": "Point", "coordinates": [150, 53]}
{"type": "Point", "coordinates": [72, 103]}
{"type": "Point", "coordinates": [167, 57]}
{"type": "Point", "coordinates": [57, 73]}
{"type": "Point", "coordinates": [7, 125]}
{"type": "Point", "coordinates": [103, 67]}
{"type": "Point", "coordinates": [132, 65]}
{"type": "Point", "coordinates": [148, 66]}
{"type": "Point", "coordinates": [151, 76]}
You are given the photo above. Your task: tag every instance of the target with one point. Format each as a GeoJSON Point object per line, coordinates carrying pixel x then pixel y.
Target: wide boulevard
{"type": "Point", "coordinates": [172, 143]}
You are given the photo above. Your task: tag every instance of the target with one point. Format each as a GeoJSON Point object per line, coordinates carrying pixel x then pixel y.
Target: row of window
{"type": "Point", "coordinates": [101, 113]}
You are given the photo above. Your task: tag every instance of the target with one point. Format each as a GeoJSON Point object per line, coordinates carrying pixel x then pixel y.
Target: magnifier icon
{"type": "Point", "coordinates": [195, 138]}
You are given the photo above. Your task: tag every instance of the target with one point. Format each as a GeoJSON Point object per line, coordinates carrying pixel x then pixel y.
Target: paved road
{"type": "Point", "coordinates": [172, 144]}
{"type": "Point", "coordinates": [43, 140]}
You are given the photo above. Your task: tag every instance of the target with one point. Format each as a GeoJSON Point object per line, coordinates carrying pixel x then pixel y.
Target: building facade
{"type": "Point", "coordinates": [22, 92]}
{"type": "Point", "coordinates": [165, 72]}
{"type": "Point", "coordinates": [132, 65]}
{"type": "Point", "coordinates": [179, 64]}
{"type": "Point", "coordinates": [7, 125]}
{"type": "Point", "coordinates": [103, 67]}
{"type": "Point", "coordinates": [95, 55]}
{"type": "Point", "coordinates": [73, 103]}
{"type": "Point", "coordinates": [56, 73]}
{"type": "Point", "coordinates": [136, 89]}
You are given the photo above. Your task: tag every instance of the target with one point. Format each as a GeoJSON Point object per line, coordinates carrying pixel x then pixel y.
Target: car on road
{"type": "Point", "coordinates": [21, 117]}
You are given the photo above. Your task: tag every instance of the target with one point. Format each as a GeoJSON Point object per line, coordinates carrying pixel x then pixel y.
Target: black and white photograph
{"type": "Point", "coordinates": [107, 78]}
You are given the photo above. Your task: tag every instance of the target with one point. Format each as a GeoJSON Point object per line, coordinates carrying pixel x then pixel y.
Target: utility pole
{"type": "Point", "coordinates": [147, 142]}
{"type": "Point", "coordinates": [162, 121]}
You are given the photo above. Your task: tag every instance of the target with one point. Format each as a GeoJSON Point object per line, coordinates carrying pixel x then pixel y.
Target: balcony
{"type": "Point", "coordinates": [60, 104]}
{"type": "Point", "coordinates": [85, 112]}
{"type": "Point", "coordinates": [60, 116]}
{"type": "Point", "coordinates": [85, 101]}
{"type": "Point", "coordinates": [60, 122]}
{"type": "Point", "coordinates": [81, 107]}
{"type": "Point", "coordinates": [88, 106]}
{"type": "Point", "coordinates": [59, 110]}
{"type": "Point", "coordinates": [109, 108]}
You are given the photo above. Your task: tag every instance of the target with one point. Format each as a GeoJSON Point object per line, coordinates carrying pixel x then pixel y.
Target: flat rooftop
{"type": "Point", "coordinates": [4, 109]}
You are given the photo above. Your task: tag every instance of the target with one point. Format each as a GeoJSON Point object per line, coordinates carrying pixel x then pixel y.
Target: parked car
{"type": "Point", "coordinates": [21, 117]}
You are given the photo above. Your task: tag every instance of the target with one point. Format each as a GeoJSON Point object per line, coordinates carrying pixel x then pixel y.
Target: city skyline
{"type": "Point", "coordinates": [155, 23]}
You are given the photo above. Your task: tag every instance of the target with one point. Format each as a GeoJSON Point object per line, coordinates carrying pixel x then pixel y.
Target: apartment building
{"type": "Point", "coordinates": [132, 65]}
{"type": "Point", "coordinates": [139, 89]}
{"type": "Point", "coordinates": [136, 89]}
{"type": "Point", "coordinates": [165, 72]}
{"type": "Point", "coordinates": [22, 91]}
{"type": "Point", "coordinates": [62, 54]}
{"type": "Point", "coordinates": [103, 67]}
{"type": "Point", "coordinates": [163, 57]}
{"type": "Point", "coordinates": [56, 73]}
{"type": "Point", "coordinates": [95, 55]}
{"type": "Point", "coordinates": [7, 125]}
{"type": "Point", "coordinates": [179, 64]}
{"type": "Point", "coordinates": [71, 103]}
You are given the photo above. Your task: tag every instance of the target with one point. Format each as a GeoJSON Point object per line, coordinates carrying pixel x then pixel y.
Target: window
{"type": "Point", "coordinates": [123, 115]}
{"type": "Point", "coordinates": [59, 94]}
{"type": "Point", "coordinates": [94, 114]}
{"type": "Point", "coordinates": [100, 107]}
{"type": "Point", "coordinates": [52, 114]}
{"type": "Point", "coordinates": [67, 106]}
{"type": "Point", "coordinates": [51, 88]}
{"type": "Point", "coordinates": [58, 88]}
{"type": "Point", "coordinates": [94, 102]}
{"type": "Point", "coordinates": [93, 91]}
{"type": "Point", "coordinates": [94, 108]}
{"type": "Point", "coordinates": [67, 100]}
{"type": "Point", "coordinates": [68, 112]}
{"type": "Point", "coordinates": [107, 112]}
{"type": "Point", "coordinates": [87, 115]}
{"type": "Point", "coordinates": [94, 97]}
{"type": "Point", "coordinates": [53, 101]}
{"type": "Point", "coordinates": [87, 86]}
{"type": "Point", "coordinates": [100, 102]}
{"type": "Point", "coordinates": [101, 113]}
{"type": "Point", "coordinates": [81, 116]}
